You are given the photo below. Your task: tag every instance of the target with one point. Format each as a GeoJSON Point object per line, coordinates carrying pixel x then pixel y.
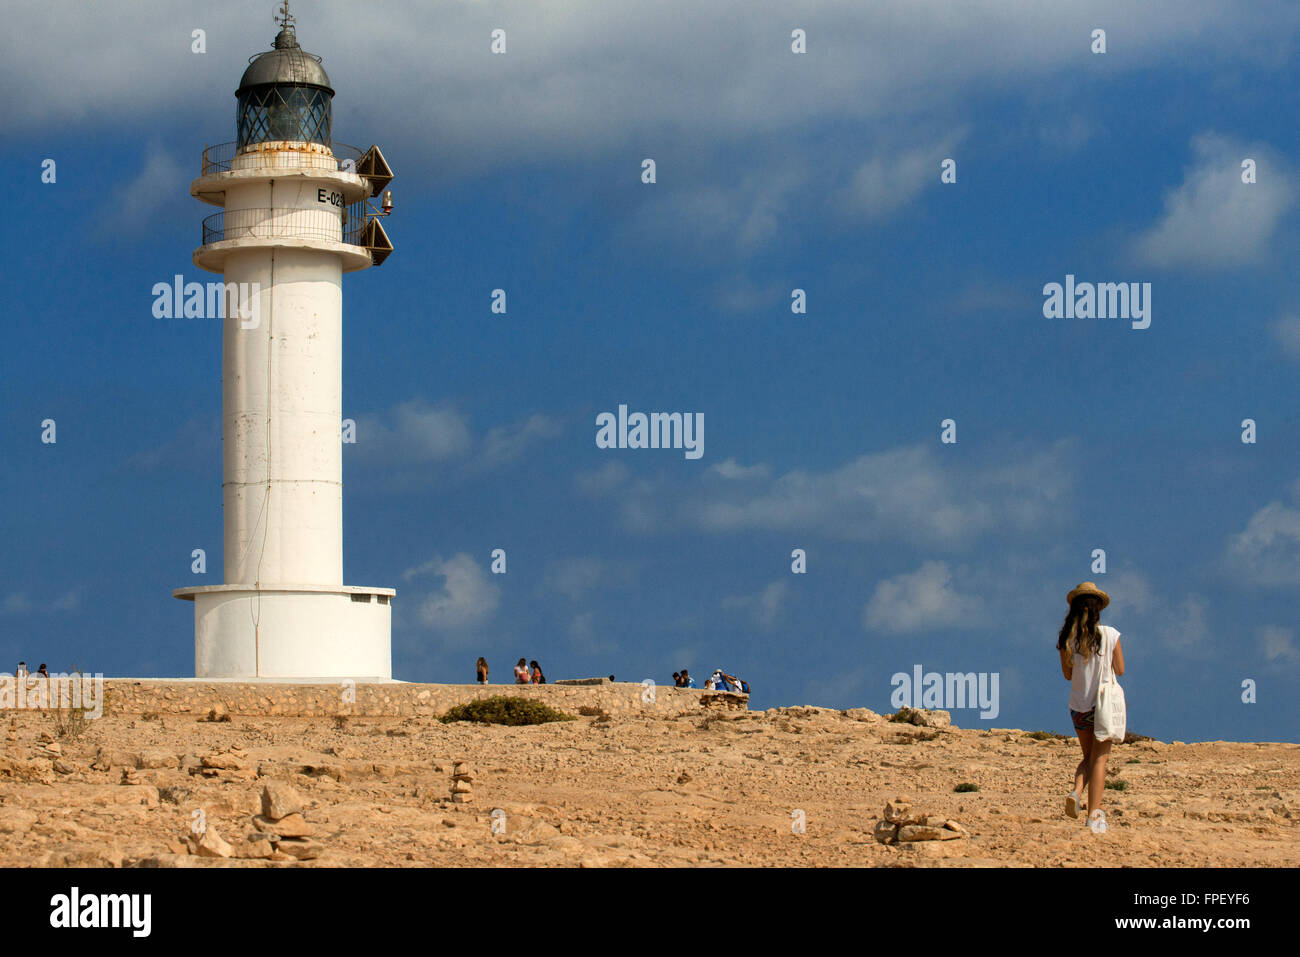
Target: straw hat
{"type": "Point", "coordinates": [1088, 588]}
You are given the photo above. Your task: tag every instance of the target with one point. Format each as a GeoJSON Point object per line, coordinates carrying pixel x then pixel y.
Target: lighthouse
{"type": "Point", "coordinates": [296, 214]}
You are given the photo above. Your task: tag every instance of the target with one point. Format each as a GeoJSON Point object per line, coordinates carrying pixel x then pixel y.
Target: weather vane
{"type": "Point", "coordinates": [285, 18]}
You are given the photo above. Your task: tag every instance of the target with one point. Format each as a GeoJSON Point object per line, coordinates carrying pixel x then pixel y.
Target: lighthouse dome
{"type": "Point", "coordinates": [284, 96]}
{"type": "Point", "coordinates": [287, 63]}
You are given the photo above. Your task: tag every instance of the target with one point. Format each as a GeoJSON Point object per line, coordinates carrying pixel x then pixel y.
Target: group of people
{"type": "Point", "coordinates": [22, 671]}
{"type": "Point", "coordinates": [718, 681]}
{"type": "Point", "coordinates": [526, 672]}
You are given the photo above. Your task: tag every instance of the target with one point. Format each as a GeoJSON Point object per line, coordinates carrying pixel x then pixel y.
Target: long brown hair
{"type": "Point", "coordinates": [1079, 632]}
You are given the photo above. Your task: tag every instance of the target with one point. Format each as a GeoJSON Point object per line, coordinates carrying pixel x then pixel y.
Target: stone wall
{"type": "Point", "coordinates": [163, 696]}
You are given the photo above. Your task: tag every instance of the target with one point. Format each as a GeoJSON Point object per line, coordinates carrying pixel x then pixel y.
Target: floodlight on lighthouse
{"type": "Point", "coordinates": [292, 221]}
{"type": "Point", "coordinates": [388, 201]}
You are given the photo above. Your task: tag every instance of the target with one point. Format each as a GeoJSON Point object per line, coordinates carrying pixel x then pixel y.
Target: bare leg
{"type": "Point", "coordinates": [1081, 772]}
{"type": "Point", "coordinates": [1097, 774]}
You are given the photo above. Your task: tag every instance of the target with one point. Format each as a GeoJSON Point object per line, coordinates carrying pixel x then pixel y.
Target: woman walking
{"type": "Point", "coordinates": [1086, 647]}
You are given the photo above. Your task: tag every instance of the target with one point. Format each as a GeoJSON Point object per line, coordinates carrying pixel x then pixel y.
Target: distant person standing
{"type": "Point", "coordinates": [22, 670]}
{"type": "Point", "coordinates": [522, 675]}
{"type": "Point", "coordinates": [1085, 648]}
{"type": "Point", "coordinates": [481, 671]}
{"type": "Point", "coordinates": [537, 677]}
{"type": "Point", "coordinates": [42, 672]}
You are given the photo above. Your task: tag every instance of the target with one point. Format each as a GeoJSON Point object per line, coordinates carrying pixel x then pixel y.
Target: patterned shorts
{"type": "Point", "coordinates": [1082, 719]}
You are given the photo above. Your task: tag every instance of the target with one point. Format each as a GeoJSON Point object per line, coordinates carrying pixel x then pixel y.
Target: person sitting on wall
{"type": "Point", "coordinates": [481, 671]}
{"type": "Point", "coordinates": [522, 675]}
{"type": "Point", "coordinates": [687, 680]}
{"type": "Point", "coordinates": [537, 677]}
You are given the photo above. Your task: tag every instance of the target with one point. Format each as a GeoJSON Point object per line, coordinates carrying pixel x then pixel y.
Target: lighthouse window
{"type": "Point", "coordinates": [281, 112]}
{"type": "Point", "coordinates": [361, 598]}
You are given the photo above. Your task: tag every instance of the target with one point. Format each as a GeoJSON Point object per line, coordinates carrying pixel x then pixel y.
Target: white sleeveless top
{"type": "Point", "coordinates": [1086, 675]}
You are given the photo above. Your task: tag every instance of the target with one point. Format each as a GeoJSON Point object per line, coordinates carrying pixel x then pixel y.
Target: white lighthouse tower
{"type": "Point", "coordinates": [295, 217]}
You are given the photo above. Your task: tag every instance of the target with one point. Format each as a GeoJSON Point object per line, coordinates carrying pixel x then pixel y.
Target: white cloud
{"type": "Point", "coordinates": [505, 444]}
{"type": "Point", "coordinates": [602, 480]}
{"type": "Point", "coordinates": [1267, 551]}
{"type": "Point", "coordinates": [909, 494]}
{"type": "Point", "coordinates": [890, 180]}
{"type": "Point", "coordinates": [466, 595]}
{"type": "Point", "coordinates": [921, 600]}
{"type": "Point", "coordinates": [1286, 331]}
{"type": "Point", "coordinates": [1143, 613]}
{"type": "Point", "coordinates": [590, 76]}
{"type": "Point", "coordinates": [741, 294]}
{"type": "Point", "coordinates": [586, 638]}
{"type": "Point", "coordinates": [765, 607]}
{"type": "Point", "coordinates": [731, 469]}
{"type": "Point", "coordinates": [68, 601]}
{"type": "Point", "coordinates": [413, 432]}
{"type": "Point", "coordinates": [162, 182]}
{"type": "Point", "coordinates": [574, 577]}
{"type": "Point", "coordinates": [742, 214]}
{"type": "Point", "coordinates": [18, 603]}
{"type": "Point", "coordinates": [195, 448]}
{"type": "Point", "coordinates": [1067, 134]}
{"type": "Point", "coordinates": [1278, 644]}
{"type": "Point", "coordinates": [417, 433]}
{"type": "Point", "coordinates": [1214, 219]}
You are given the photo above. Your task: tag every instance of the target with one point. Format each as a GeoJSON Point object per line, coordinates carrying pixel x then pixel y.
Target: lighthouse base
{"type": "Point", "coordinates": [292, 632]}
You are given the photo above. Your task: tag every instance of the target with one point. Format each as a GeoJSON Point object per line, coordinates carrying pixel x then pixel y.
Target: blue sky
{"type": "Point", "coordinates": [775, 171]}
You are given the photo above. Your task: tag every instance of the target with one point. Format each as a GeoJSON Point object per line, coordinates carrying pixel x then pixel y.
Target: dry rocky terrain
{"type": "Point", "coordinates": [718, 788]}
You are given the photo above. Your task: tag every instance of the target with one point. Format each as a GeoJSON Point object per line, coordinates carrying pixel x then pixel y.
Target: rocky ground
{"type": "Point", "coordinates": [714, 789]}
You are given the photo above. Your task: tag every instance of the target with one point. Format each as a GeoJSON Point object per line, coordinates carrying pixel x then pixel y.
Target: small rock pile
{"type": "Point", "coordinates": [462, 792]}
{"type": "Point", "coordinates": [903, 824]}
{"type": "Point", "coordinates": [233, 764]}
{"type": "Point", "coordinates": [923, 718]}
{"type": "Point", "coordinates": [282, 833]}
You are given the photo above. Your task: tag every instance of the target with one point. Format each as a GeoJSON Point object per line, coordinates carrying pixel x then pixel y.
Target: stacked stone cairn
{"type": "Point", "coordinates": [462, 791]}
{"type": "Point", "coordinates": [902, 824]}
{"type": "Point", "coordinates": [281, 832]}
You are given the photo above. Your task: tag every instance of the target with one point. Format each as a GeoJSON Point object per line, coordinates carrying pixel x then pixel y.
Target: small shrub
{"type": "Point", "coordinates": [1046, 736]}
{"type": "Point", "coordinates": [174, 794]}
{"type": "Point", "coordinates": [505, 709]}
{"type": "Point", "coordinates": [1132, 737]}
{"type": "Point", "coordinates": [1116, 785]}
{"type": "Point", "coordinates": [340, 721]}
{"type": "Point", "coordinates": [588, 711]}
{"type": "Point", "coordinates": [966, 786]}
{"type": "Point", "coordinates": [72, 722]}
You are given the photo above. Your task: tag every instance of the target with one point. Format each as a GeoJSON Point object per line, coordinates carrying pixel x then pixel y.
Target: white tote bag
{"type": "Point", "coordinates": [1111, 716]}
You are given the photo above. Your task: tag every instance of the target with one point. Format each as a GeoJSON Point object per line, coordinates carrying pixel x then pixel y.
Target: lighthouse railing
{"type": "Point", "coordinates": [281, 223]}
{"type": "Point", "coordinates": [221, 157]}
